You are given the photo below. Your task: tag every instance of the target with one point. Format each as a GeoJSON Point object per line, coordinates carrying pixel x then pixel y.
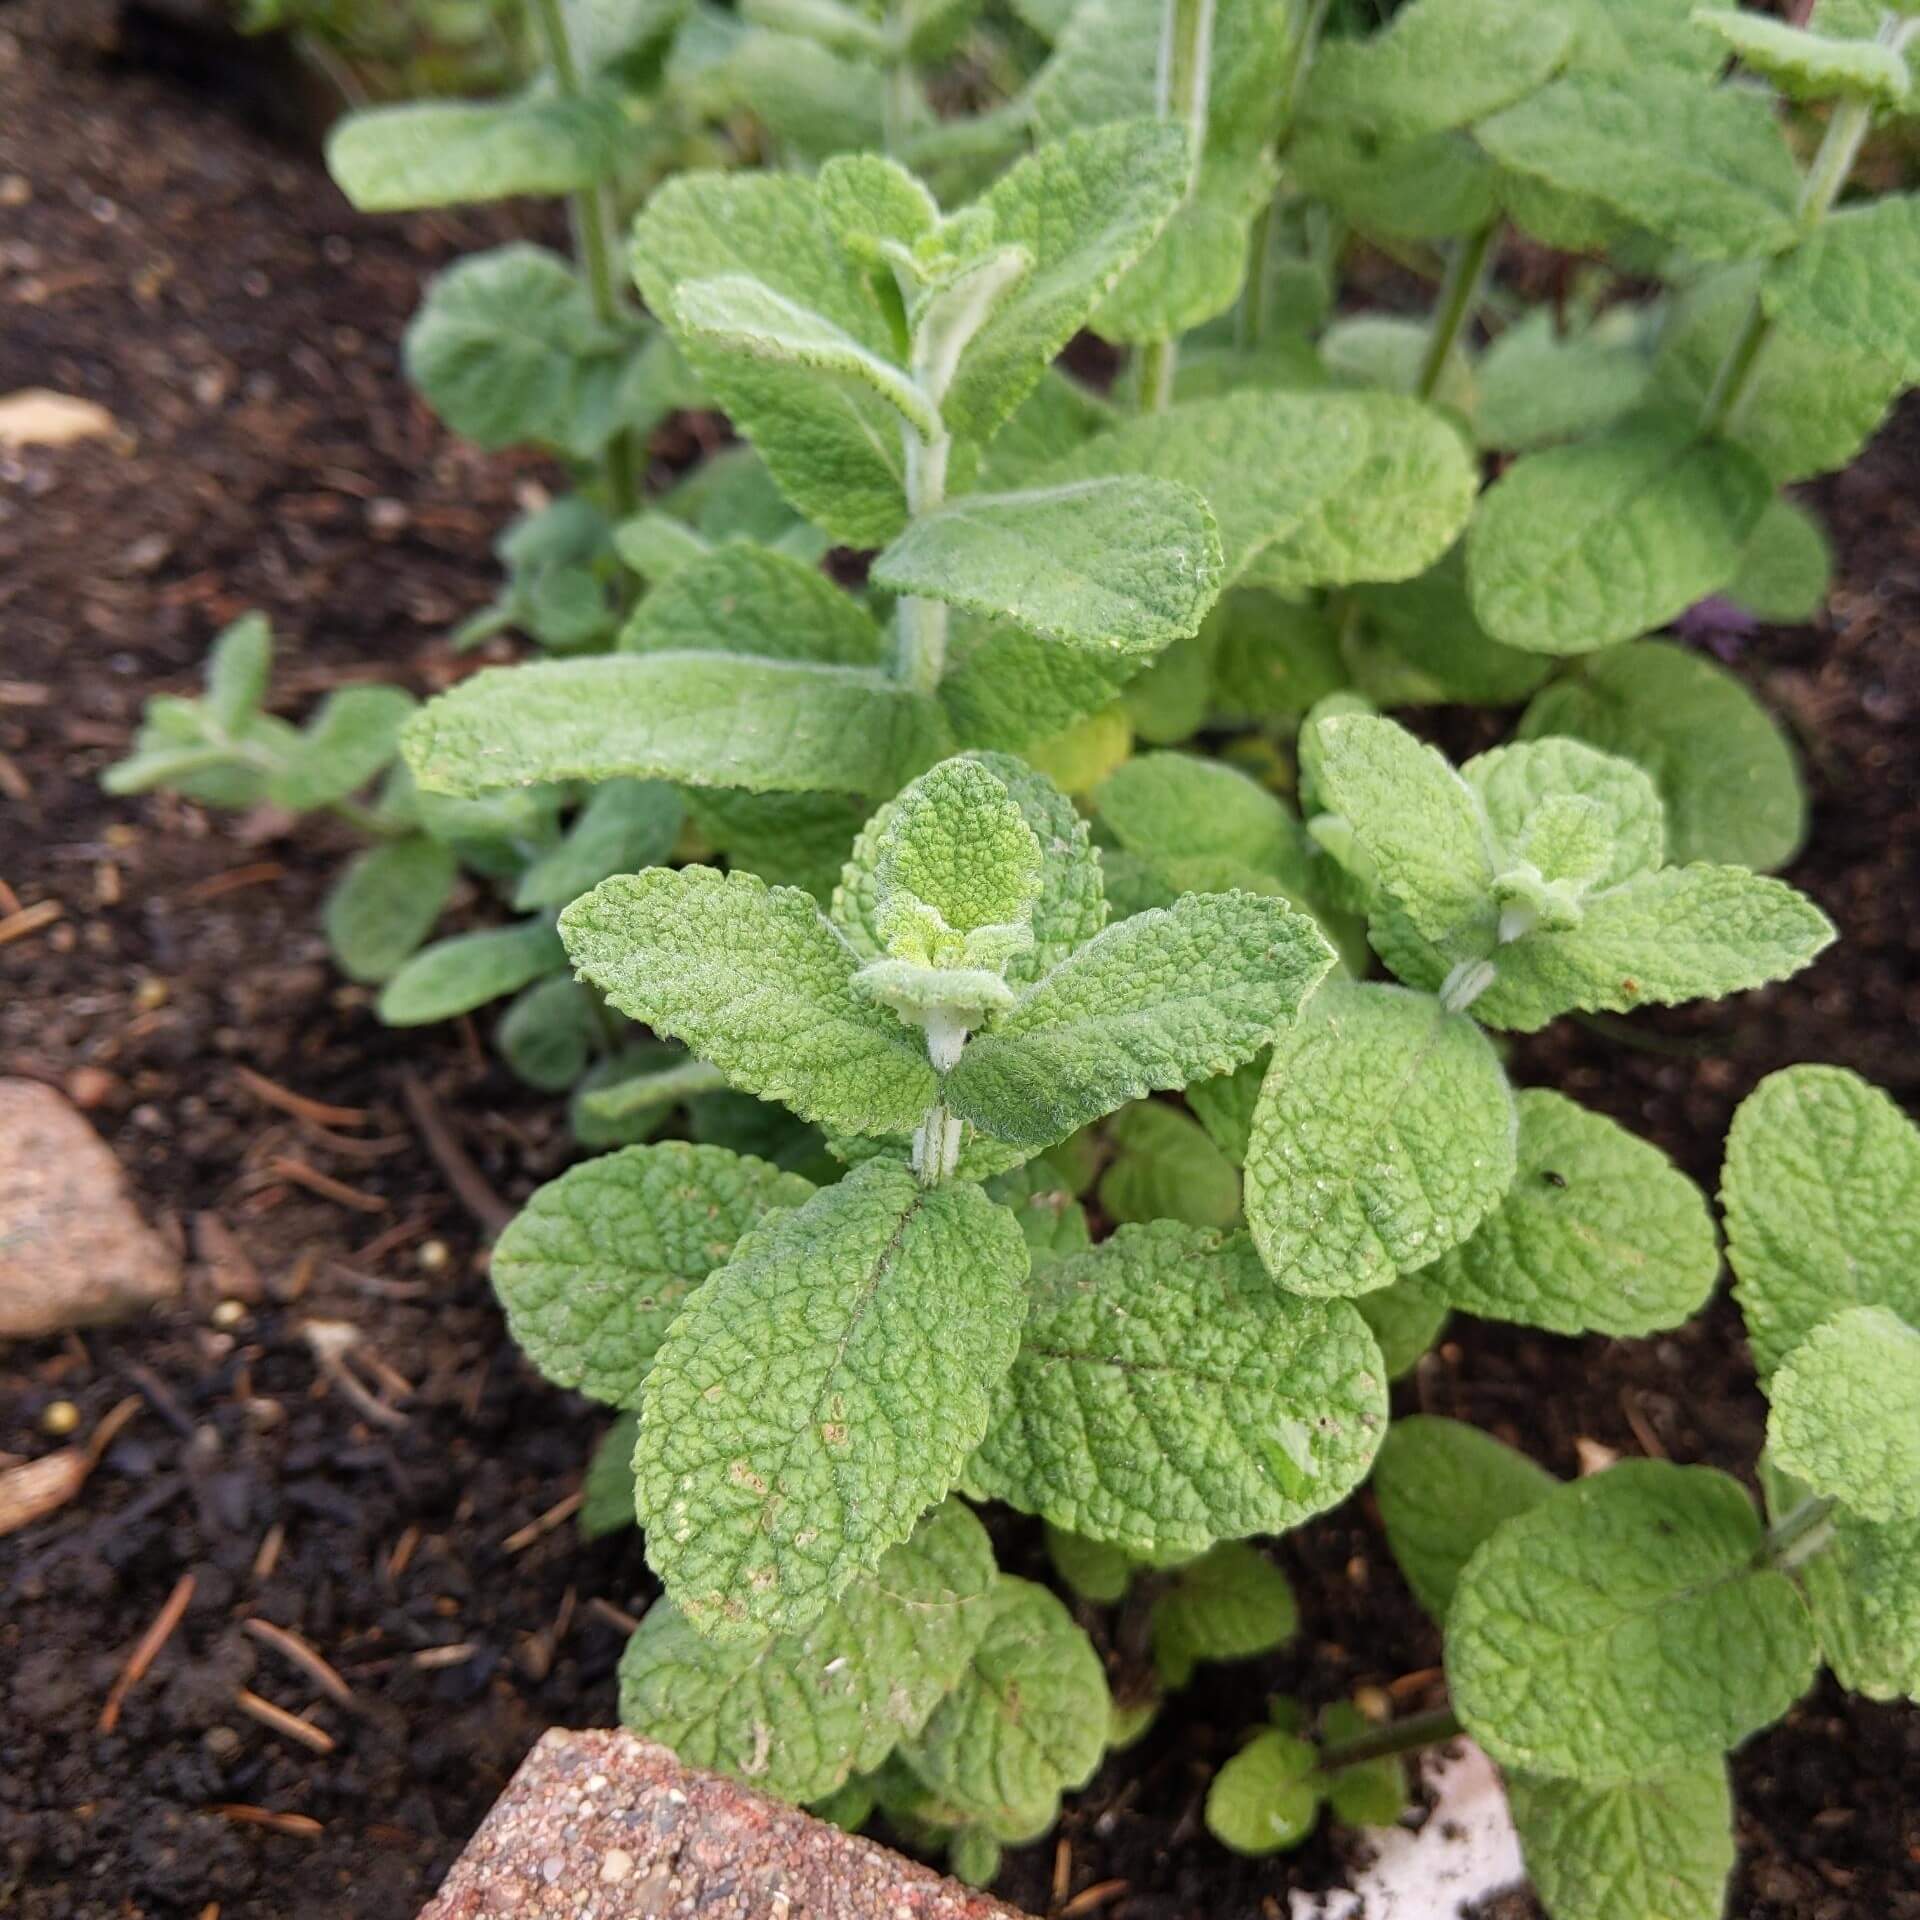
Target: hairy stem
{"type": "Point", "coordinates": [897, 107]}
{"type": "Point", "coordinates": [1429, 1729]}
{"type": "Point", "coordinates": [1184, 76]}
{"type": "Point", "coordinates": [1459, 297]}
{"type": "Point", "coordinates": [1798, 1534]}
{"type": "Point", "coordinates": [920, 626]}
{"type": "Point", "coordinates": [1833, 161]}
{"type": "Point", "coordinates": [593, 238]}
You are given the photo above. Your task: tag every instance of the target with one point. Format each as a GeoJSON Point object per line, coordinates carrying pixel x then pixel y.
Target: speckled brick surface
{"type": "Point", "coordinates": [605, 1826]}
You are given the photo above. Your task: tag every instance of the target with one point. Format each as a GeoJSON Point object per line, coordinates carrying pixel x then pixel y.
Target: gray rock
{"type": "Point", "coordinates": [74, 1252]}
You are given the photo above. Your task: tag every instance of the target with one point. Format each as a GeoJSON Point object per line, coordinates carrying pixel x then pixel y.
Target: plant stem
{"type": "Point", "coordinates": [1427, 1729]}
{"type": "Point", "coordinates": [1305, 46]}
{"type": "Point", "coordinates": [593, 238]}
{"type": "Point", "coordinates": [1833, 161]}
{"type": "Point", "coordinates": [1798, 1534]}
{"type": "Point", "coordinates": [1184, 76]}
{"type": "Point", "coordinates": [1459, 297]}
{"type": "Point", "coordinates": [920, 626]}
{"type": "Point", "coordinates": [896, 110]}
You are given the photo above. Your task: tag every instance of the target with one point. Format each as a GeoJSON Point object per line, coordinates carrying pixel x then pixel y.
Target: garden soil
{"type": "Point", "coordinates": [199, 279]}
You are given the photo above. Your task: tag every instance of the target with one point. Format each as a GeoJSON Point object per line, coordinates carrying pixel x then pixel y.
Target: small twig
{"type": "Point", "coordinates": [283, 1722]}
{"type": "Point", "coordinates": [268, 1557]}
{"type": "Point", "coordinates": [556, 1515]}
{"type": "Point", "coordinates": [391, 1238]}
{"type": "Point", "coordinates": [146, 1651]}
{"type": "Point", "coordinates": [298, 1104]}
{"type": "Point", "coordinates": [329, 1341]}
{"type": "Point", "coordinates": [1650, 1443]}
{"type": "Point", "coordinates": [104, 1435]}
{"type": "Point", "coordinates": [402, 1555]}
{"type": "Point", "coordinates": [453, 1160]}
{"type": "Point", "coordinates": [285, 1167]}
{"type": "Point", "coordinates": [233, 881]}
{"type": "Point", "coordinates": [1091, 1899]}
{"type": "Point", "coordinates": [616, 1617]}
{"type": "Point", "coordinates": [291, 1647]}
{"type": "Point", "coordinates": [298, 1823]}
{"type": "Point", "coordinates": [16, 926]}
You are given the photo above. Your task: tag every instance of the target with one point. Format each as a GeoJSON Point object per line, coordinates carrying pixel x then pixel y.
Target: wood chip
{"type": "Point", "coordinates": [283, 1722]}
{"type": "Point", "coordinates": [36, 1488]}
{"type": "Point", "coordinates": [146, 1651]}
{"type": "Point", "coordinates": [453, 1160]}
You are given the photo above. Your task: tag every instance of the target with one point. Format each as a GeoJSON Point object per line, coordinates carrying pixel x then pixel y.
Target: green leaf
{"type": "Point", "coordinates": [1266, 1799]}
{"type": "Point", "coordinates": [1201, 824]}
{"type": "Point", "coordinates": [1704, 166]}
{"type": "Point", "coordinates": [385, 904]}
{"type": "Point", "coordinates": [1599, 1232]}
{"type": "Point", "coordinates": [500, 346]}
{"type": "Point", "coordinates": [1863, 1589]}
{"type": "Point", "coordinates": [1621, 1628]}
{"type": "Point", "coordinates": [1581, 546]}
{"type": "Point", "coordinates": [1231, 1604]}
{"type": "Point", "coordinates": [1071, 907]}
{"type": "Point", "coordinates": [596, 1266]}
{"type": "Point", "coordinates": [1091, 1568]}
{"type": "Point", "coordinates": [820, 1392]}
{"type": "Point", "coordinates": [437, 153]}
{"type": "Point", "coordinates": [1786, 571]}
{"type": "Point", "coordinates": [1166, 1396]}
{"type": "Point", "coordinates": [1010, 691]}
{"type": "Point", "coordinates": [833, 445]}
{"type": "Point", "coordinates": [1057, 416]}
{"type": "Point", "coordinates": [1370, 1793]}
{"type": "Point", "coordinates": [1313, 489]}
{"type": "Point", "coordinates": [1538, 386]}
{"type": "Point", "coordinates": [1124, 565]}
{"type": "Point", "coordinates": [788, 839]}
{"type": "Point", "coordinates": [1628, 36]}
{"type": "Point", "coordinates": [1443, 1488]}
{"type": "Point", "coordinates": [1271, 659]}
{"type": "Point", "coordinates": [1808, 406]}
{"type": "Point", "coordinates": [1386, 350]}
{"type": "Point", "coordinates": [757, 981]}
{"type": "Point", "coordinates": [550, 1034]}
{"type": "Point", "coordinates": [1657, 1849]}
{"type": "Point", "coordinates": [958, 843]}
{"type": "Point", "coordinates": [708, 720]}
{"type": "Point", "coordinates": [1724, 766]}
{"type": "Point", "coordinates": [796, 1713]}
{"type": "Point", "coordinates": [1406, 1319]}
{"type": "Point", "coordinates": [1854, 285]}
{"type": "Point", "coordinates": [455, 976]}
{"type": "Point", "coordinates": [1052, 1220]}
{"type": "Point", "coordinates": [1809, 66]}
{"type": "Point", "coordinates": [1428, 189]}
{"type": "Point", "coordinates": [1419, 642]}
{"type": "Point", "coordinates": [239, 666]}
{"type": "Point", "coordinates": [606, 1494]}
{"type": "Point", "coordinates": [656, 545]}
{"type": "Point", "coordinates": [757, 600]}
{"type": "Point", "coordinates": [1419, 824]}
{"type": "Point", "coordinates": [1163, 998]}
{"type": "Point", "coordinates": [1085, 208]}
{"type": "Point", "coordinates": [1027, 1719]}
{"type": "Point", "coordinates": [1846, 1413]}
{"type": "Point", "coordinates": [1821, 1193]}
{"type": "Point", "coordinates": [1438, 64]}
{"type": "Point", "coordinates": [1683, 933]}
{"type": "Point", "coordinates": [625, 825]}
{"type": "Point", "coordinates": [1167, 1169]}
{"type": "Point", "coordinates": [1383, 1136]}
{"type": "Point", "coordinates": [350, 740]}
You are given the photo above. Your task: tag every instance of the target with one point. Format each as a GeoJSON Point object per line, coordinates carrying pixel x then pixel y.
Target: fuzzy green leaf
{"type": "Point", "coordinates": [1166, 997]}
{"type": "Point", "coordinates": [438, 153]}
{"type": "Point", "coordinates": [349, 741]}
{"type": "Point", "coordinates": [709, 720]}
{"type": "Point", "coordinates": [606, 1493]}
{"type": "Point", "coordinates": [1085, 208]}
{"type": "Point", "coordinates": [1383, 1136]}
{"type": "Point", "coordinates": [1821, 1192]}
{"type": "Point", "coordinates": [550, 1033]}
{"type": "Point", "coordinates": [1846, 1413]}
{"type": "Point", "coordinates": [625, 825]}
{"type": "Point", "coordinates": [239, 667]}
{"type": "Point", "coordinates": [595, 1267]}
{"type": "Point", "coordinates": [1854, 286]}
{"type": "Point", "coordinates": [1092, 1569]}
{"type": "Point", "coordinates": [1419, 642]}
{"type": "Point", "coordinates": [1581, 546]}
{"type": "Point", "coordinates": [821, 1392]}
{"type": "Point", "coordinates": [1406, 1319]}
{"type": "Point", "coordinates": [797, 1713]}
{"type": "Point", "coordinates": [1724, 766]}
{"type": "Point", "coordinates": [1012, 692]}
{"type": "Point", "coordinates": [1166, 1396]}
{"type": "Point", "coordinates": [1266, 1799]}
{"type": "Point", "coordinates": [1621, 1628]}
{"type": "Point", "coordinates": [957, 842]}
{"type": "Point", "coordinates": [1201, 824]}
{"type": "Point", "coordinates": [1786, 571]}
{"type": "Point", "coordinates": [833, 445]}
{"type": "Point", "coordinates": [1810, 66]}
{"type": "Point", "coordinates": [1027, 1719]}
{"type": "Point", "coordinates": [385, 904]}
{"type": "Point", "coordinates": [1230, 1604]}
{"type": "Point", "coordinates": [757, 981]}
{"type": "Point", "coordinates": [1119, 565]}
{"type": "Point", "coordinates": [1165, 1168]}
{"type": "Point", "coordinates": [1704, 166]}
{"type": "Point", "coordinates": [1194, 272]}
{"type": "Point", "coordinates": [1538, 386]}
{"type": "Point", "coordinates": [455, 976]}
{"type": "Point", "coordinates": [1656, 1849]}
{"type": "Point", "coordinates": [1599, 1232]}
{"type": "Point", "coordinates": [1443, 1488]}
{"type": "Point", "coordinates": [758, 600]}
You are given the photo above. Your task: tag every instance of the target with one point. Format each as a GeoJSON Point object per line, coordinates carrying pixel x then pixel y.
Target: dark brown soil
{"type": "Point", "coordinates": [209, 289]}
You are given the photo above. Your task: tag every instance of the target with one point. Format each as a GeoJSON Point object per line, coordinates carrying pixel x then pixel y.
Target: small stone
{"type": "Point", "coordinates": [228, 1313]}
{"type": "Point", "coordinates": [36, 417]}
{"type": "Point", "coordinates": [433, 1256]}
{"type": "Point", "coordinates": [1595, 1456]}
{"type": "Point", "coordinates": [90, 1087]}
{"type": "Point", "coordinates": [616, 1866]}
{"type": "Point", "coordinates": [60, 1419]}
{"type": "Point", "coordinates": [74, 1252]}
